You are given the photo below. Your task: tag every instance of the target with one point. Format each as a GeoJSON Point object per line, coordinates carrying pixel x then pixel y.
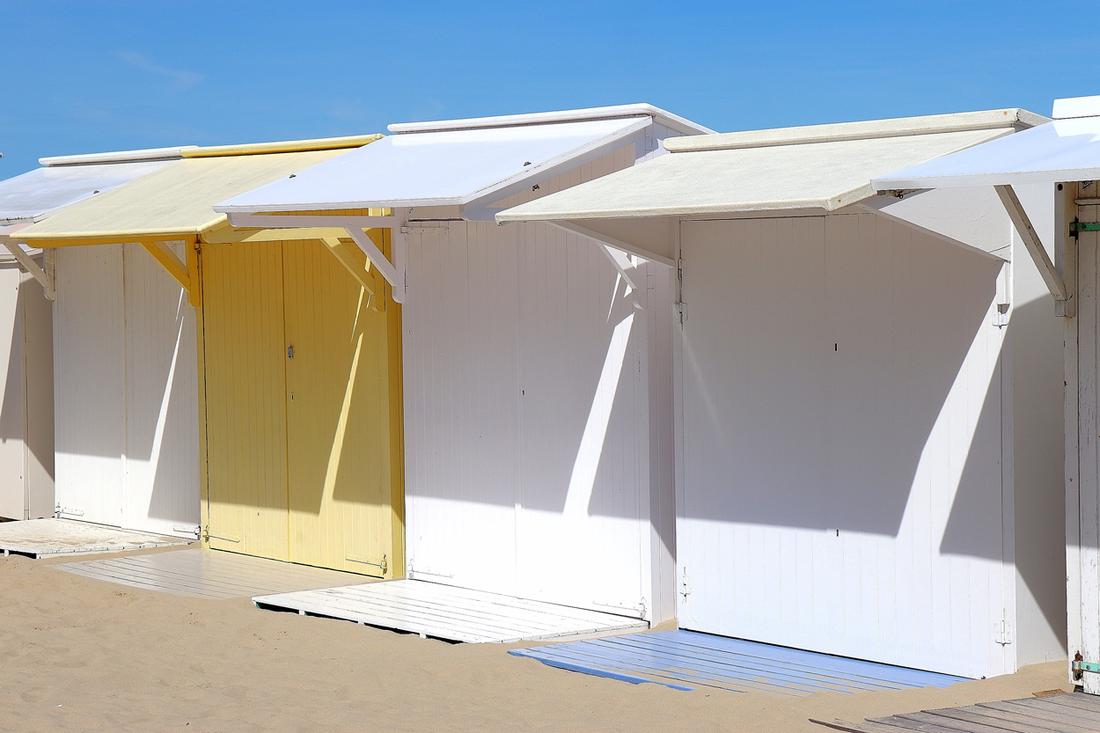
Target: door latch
{"type": "Point", "coordinates": [290, 351]}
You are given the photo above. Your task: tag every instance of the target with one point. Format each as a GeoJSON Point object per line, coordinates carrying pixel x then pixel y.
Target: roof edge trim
{"type": "Point", "coordinates": [664, 117]}
{"type": "Point", "coordinates": [862, 130]}
{"type": "Point", "coordinates": [121, 156]}
{"type": "Point", "coordinates": [285, 146]}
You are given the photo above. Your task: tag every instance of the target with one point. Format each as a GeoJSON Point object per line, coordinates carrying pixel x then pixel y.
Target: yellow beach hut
{"type": "Point", "coordinates": [245, 363]}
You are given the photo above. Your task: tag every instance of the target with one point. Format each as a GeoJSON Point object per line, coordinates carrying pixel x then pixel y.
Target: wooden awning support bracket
{"type": "Point", "coordinates": [394, 272]}
{"type": "Point", "coordinates": [185, 272]}
{"type": "Point", "coordinates": [339, 250]}
{"type": "Point", "coordinates": [1016, 213]}
{"type": "Point", "coordinates": [43, 275]}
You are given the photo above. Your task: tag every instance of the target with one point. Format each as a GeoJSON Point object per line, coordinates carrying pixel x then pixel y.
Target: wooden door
{"type": "Point", "coordinates": [341, 469]}
{"type": "Point", "coordinates": [246, 399]}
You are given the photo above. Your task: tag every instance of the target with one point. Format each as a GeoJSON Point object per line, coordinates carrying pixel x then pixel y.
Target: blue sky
{"type": "Point", "coordinates": [102, 75]}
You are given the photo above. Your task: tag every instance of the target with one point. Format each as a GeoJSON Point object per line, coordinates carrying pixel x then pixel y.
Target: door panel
{"type": "Point", "coordinates": [246, 398]}
{"type": "Point", "coordinates": [842, 441]}
{"type": "Point", "coordinates": [90, 374]}
{"type": "Point", "coordinates": [581, 521]}
{"type": "Point", "coordinates": [339, 435]}
{"type": "Point", "coordinates": [462, 421]}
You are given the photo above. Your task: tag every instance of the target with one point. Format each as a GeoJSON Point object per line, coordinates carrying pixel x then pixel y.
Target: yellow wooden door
{"type": "Point", "coordinates": [245, 376]}
{"type": "Point", "coordinates": [343, 470]}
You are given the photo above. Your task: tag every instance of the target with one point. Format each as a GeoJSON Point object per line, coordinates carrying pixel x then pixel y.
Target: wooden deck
{"type": "Point", "coordinates": [208, 574]}
{"type": "Point", "coordinates": [686, 660]}
{"type": "Point", "coordinates": [38, 538]}
{"type": "Point", "coordinates": [446, 612]}
{"type": "Point", "coordinates": [1063, 713]}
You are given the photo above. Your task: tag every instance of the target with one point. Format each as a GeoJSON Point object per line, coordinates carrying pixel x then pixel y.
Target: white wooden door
{"type": "Point", "coordinates": [842, 432]}
{"type": "Point", "coordinates": [580, 527]}
{"type": "Point", "coordinates": [461, 390]}
{"type": "Point", "coordinates": [525, 417]}
{"type": "Point", "coordinates": [90, 374]}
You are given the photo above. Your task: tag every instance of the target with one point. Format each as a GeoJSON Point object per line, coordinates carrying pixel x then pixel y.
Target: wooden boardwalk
{"type": "Point", "coordinates": [208, 573]}
{"type": "Point", "coordinates": [446, 612]}
{"type": "Point", "coordinates": [1063, 713]}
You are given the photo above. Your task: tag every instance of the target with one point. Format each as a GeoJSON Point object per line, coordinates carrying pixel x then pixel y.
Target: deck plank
{"type": "Point", "coordinates": [207, 574]}
{"type": "Point", "coordinates": [690, 658]}
{"type": "Point", "coordinates": [447, 612]}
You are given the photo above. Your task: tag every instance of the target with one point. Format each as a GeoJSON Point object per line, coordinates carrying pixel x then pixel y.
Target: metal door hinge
{"type": "Point", "coordinates": [1076, 227]}
{"type": "Point", "coordinates": [207, 536]}
{"type": "Point", "coordinates": [196, 530]}
{"type": "Point", "coordinates": [682, 312]}
{"type": "Point", "coordinates": [684, 590]}
{"type": "Point", "coordinates": [383, 566]}
{"type": "Point", "coordinates": [60, 511]}
{"type": "Point", "coordinates": [1080, 666]}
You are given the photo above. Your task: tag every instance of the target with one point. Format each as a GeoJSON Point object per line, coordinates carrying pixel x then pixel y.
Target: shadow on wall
{"type": "Point", "coordinates": [834, 372]}
{"type": "Point", "coordinates": [1039, 496]}
{"type": "Point", "coordinates": [24, 390]}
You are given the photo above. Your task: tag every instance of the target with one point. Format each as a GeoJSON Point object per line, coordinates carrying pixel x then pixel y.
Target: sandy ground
{"type": "Point", "coordinates": [78, 654]}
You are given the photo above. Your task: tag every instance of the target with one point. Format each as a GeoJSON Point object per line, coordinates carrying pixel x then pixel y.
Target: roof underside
{"type": "Point", "coordinates": [824, 176]}
{"type": "Point", "coordinates": [175, 200]}
{"type": "Point", "coordinates": [37, 193]}
{"type": "Point", "coordinates": [1059, 151]}
{"type": "Point", "coordinates": [440, 168]}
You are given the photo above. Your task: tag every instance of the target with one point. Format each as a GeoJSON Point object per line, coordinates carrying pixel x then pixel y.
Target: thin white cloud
{"type": "Point", "coordinates": [179, 78]}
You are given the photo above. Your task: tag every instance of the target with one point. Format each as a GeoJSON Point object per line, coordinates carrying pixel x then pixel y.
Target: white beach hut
{"type": "Point", "coordinates": [26, 327]}
{"type": "Point", "coordinates": [862, 465]}
{"type": "Point", "coordinates": [536, 367]}
{"type": "Point", "coordinates": [1062, 158]}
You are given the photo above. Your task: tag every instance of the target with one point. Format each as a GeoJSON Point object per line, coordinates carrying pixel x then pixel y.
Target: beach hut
{"type": "Point", "coordinates": [26, 322]}
{"type": "Point", "coordinates": [159, 399]}
{"type": "Point", "coordinates": [536, 368]}
{"type": "Point", "coordinates": [1061, 157]}
{"type": "Point", "coordinates": [862, 466]}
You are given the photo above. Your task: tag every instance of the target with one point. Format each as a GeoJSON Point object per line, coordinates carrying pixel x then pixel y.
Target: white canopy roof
{"type": "Point", "coordinates": [35, 194]}
{"type": "Point", "coordinates": [453, 163]}
{"type": "Point", "coordinates": [1064, 150]}
{"type": "Point", "coordinates": [818, 168]}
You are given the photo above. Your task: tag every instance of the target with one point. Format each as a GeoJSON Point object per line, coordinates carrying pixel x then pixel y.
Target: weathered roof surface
{"type": "Point", "coordinates": [819, 167]}
{"type": "Point", "coordinates": [454, 162]}
{"type": "Point", "coordinates": [175, 200]}
{"type": "Point", "coordinates": [37, 193]}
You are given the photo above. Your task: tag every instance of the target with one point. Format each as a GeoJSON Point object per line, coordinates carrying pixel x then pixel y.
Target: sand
{"type": "Point", "coordinates": [78, 654]}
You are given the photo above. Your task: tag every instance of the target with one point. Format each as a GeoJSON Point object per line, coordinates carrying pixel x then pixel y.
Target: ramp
{"type": "Point", "coordinates": [38, 538]}
{"type": "Point", "coordinates": [684, 660]}
{"type": "Point", "coordinates": [207, 573]}
{"type": "Point", "coordinates": [446, 612]}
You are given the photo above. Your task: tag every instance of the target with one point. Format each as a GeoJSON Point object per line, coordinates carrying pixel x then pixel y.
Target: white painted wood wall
{"type": "Point", "coordinates": [126, 392]}
{"type": "Point", "coordinates": [26, 410]}
{"type": "Point", "coordinates": [848, 461]}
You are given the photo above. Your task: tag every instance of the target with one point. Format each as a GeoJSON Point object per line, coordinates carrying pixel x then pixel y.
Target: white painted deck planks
{"type": "Point", "coordinates": [446, 612]}
{"type": "Point", "coordinates": [40, 538]}
{"type": "Point", "coordinates": [208, 574]}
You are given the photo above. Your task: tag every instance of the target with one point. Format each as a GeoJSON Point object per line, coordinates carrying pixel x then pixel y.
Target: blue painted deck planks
{"type": "Point", "coordinates": [685, 659]}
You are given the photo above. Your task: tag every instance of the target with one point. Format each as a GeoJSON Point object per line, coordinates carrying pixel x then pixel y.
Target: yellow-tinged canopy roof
{"type": "Point", "coordinates": [176, 202]}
